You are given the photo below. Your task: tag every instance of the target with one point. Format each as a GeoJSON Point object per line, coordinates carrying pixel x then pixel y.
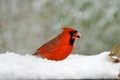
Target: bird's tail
{"type": "Point", "coordinates": [35, 54]}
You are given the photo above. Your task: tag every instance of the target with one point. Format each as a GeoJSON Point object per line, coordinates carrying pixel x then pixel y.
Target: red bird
{"type": "Point", "coordinates": [59, 47]}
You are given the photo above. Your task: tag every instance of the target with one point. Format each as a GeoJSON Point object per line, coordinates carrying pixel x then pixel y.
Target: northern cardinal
{"type": "Point", "coordinates": [59, 47]}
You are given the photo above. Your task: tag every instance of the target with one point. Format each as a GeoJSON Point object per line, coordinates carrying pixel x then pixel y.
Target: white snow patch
{"type": "Point", "coordinates": [16, 66]}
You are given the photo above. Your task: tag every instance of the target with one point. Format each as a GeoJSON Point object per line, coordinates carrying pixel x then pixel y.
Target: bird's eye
{"type": "Point", "coordinates": [72, 32]}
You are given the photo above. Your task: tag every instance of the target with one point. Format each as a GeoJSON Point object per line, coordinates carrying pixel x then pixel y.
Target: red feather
{"type": "Point", "coordinates": [58, 48]}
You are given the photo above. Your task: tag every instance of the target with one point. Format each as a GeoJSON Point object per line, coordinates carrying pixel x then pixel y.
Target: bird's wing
{"type": "Point", "coordinates": [50, 46]}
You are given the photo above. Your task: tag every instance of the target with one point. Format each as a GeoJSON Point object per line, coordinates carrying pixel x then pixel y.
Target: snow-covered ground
{"type": "Point", "coordinates": [16, 66]}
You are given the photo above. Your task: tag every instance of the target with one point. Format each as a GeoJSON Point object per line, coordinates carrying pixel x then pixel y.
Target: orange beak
{"type": "Point", "coordinates": [77, 36]}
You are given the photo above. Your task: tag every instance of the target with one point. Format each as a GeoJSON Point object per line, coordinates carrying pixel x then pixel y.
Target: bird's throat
{"type": "Point", "coordinates": [71, 41]}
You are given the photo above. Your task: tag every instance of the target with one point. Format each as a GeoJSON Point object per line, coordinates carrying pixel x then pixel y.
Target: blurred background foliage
{"type": "Point", "coordinates": [27, 24]}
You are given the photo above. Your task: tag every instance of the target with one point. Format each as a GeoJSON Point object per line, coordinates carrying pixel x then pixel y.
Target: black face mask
{"type": "Point", "coordinates": [71, 41]}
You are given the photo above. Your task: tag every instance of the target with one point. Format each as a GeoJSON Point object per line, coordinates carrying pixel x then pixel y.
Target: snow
{"type": "Point", "coordinates": [17, 66]}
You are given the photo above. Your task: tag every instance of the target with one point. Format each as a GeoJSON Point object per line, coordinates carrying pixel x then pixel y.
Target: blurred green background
{"type": "Point", "coordinates": [27, 24]}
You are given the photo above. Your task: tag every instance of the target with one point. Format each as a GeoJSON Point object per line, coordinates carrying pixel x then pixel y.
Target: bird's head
{"type": "Point", "coordinates": [74, 34]}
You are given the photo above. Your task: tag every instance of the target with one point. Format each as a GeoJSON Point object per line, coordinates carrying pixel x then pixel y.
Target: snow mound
{"type": "Point", "coordinates": [16, 66]}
